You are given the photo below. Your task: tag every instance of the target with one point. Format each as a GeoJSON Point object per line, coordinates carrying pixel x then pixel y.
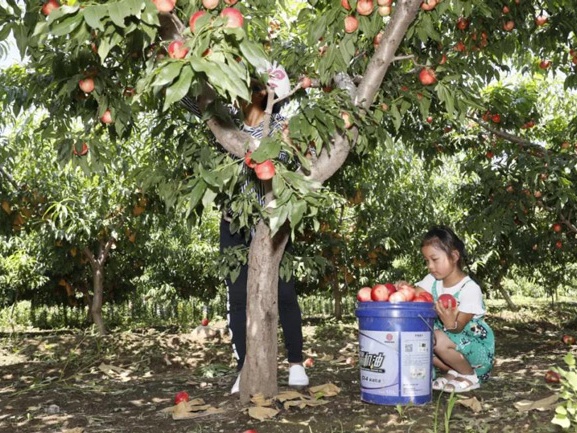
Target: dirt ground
{"type": "Point", "coordinates": [75, 382]}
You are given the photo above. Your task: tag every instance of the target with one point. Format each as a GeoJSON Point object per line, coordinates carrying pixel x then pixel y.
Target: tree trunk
{"type": "Point", "coordinates": [97, 265]}
{"type": "Point", "coordinates": [497, 283]}
{"type": "Point", "coordinates": [97, 298]}
{"type": "Point", "coordinates": [506, 296]}
{"type": "Point", "coordinates": [259, 372]}
{"type": "Point", "coordinates": [337, 297]}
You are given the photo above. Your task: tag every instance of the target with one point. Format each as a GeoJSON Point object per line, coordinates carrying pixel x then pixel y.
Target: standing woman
{"type": "Point", "coordinates": [289, 309]}
{"type": "Point", "coordinates": [253, 122]}
{"type": "Point", "coordinates": [464, 346]}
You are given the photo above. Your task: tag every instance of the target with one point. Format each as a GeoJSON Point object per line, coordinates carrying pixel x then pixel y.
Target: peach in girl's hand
{"type": "Point", "coordinates": [448, 301]}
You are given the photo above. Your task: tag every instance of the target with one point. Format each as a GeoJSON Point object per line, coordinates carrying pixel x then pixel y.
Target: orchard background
{"type": "Point", "coordinates": [402, 115]}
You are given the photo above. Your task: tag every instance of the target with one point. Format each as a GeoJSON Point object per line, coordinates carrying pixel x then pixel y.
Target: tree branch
{"type": "Point", "coordinates": [104, 254]}
{"type": "Point", "coordinates": [510, 137]}
{"type": "Point", "coordinates": [328, 162]}
{"type": "Point", "coordinates": [89, 255]}
{"type": "Point", "coordinates": [399, 58]}
{"type": "Point", "coordinates": [170, 26]}
{"type": "Point", "coordinates": [404, 14]}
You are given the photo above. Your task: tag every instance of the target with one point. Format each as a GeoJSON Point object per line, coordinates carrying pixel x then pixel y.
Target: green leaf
{"type": "Point", "coordinates": [222, 77]}
{"type": "Point", "coordinates": [279, 218]}
{"type": "Point", "coordinates": [94, 14]}
{"type": "Point", "coordinates": [396, 116]}
{"type": "Point", "coordinates": [278, 186]}
{"type": "Point", "coordinates": [254, 54]}
{"type": "Point", "coordinates": [118, 13]}
{"type": "Point", "coordinates": [447, 97]}
{"type": "Point", "coordinates": [66, 26]}
{"type": "Point", "coordinates": [5, 31]}
{"type": "Point", "coordinates": [195, 195]}
{"type": "Point", "coordinates": [150, 15]}
{"type": "Point", "coordinates": [269, 148]}
{"type": "Point", "coordinates": [180, 88]}
{"type": "Point", "coordinates": [103, 49]}
{"type": "Point", "coordinates": [571, 378]}
{"type": "Point", "coordinates": [168, 72]}
{"type": "Point", "coordinates": [297, 212]}
{"type": "Point", "coordinates": [21, 37]}
{"type": "Point", "coordinates": [208, 198]}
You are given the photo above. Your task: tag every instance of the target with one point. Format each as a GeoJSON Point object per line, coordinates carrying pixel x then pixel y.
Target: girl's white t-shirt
{"type": "Point", "coordinates": [470, 296]}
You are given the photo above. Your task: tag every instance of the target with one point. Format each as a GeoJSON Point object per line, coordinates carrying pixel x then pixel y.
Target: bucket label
{"type": "Point", "coordinates": [415, 363]}
{"type": "Point", "coordinates": [395, 364]}
{"type": "Point", "coordinates": [378, 360]}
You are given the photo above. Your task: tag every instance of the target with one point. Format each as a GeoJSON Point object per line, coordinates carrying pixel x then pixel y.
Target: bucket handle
{"type": "Point", "coordinates": [427, 323]}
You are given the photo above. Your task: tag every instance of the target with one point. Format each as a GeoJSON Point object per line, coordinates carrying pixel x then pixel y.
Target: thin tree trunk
{"type": "Point", "coordinates": [337, 297]}
{"type": "Point", "coordinates": [504, 292]}
{"type": "Point", "coordinates": [507, 298]}
{"type": "Point", "coordinates": [97, 298]}
{"type": "Point", "coordinates": [97, 265]}
{"type": "Point", "coordinates": [259, 372]}
{"type": "Point", "coordinates": [337, 292]}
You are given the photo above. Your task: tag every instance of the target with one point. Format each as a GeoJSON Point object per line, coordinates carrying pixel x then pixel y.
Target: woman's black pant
{"type": "Point", "coordinates": [288, 307]}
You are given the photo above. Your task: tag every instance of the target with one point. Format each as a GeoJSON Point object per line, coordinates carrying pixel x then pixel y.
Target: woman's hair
{"type": "Point", "coordinates": [445, 239]}
{"type": "Point", "coordinates": [257, 86]}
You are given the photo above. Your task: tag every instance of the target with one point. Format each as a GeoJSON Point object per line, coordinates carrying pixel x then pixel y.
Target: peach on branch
{"type": "Point", "coordinates": [50, 6]}
{"type": "Point", "coordinates": [164, 6]}
{"type": "Point", "coordinates": [351, 24]}
{"type": "Point", "coordinates": [509, 25]}
{"type": "Point", "coordinates": [365, 7]}
{"type": "Point", "coordinates": [192, 21]}
{"type": "Point", "coordinates": [210, 4]}
{"type": "Point", "coordinates": [427, 76]}
{"type": "Point", "coordinates": [177, 50]}
{"type": "Point", "coordinates": [384, 11]}
{"type": "Point", "coordinates": [86, 85]}
{"type": "Point", "coordinates": [106, 117]}
{"type": "Point", "coordinates": [541, 20]}
{"type": "Point", "coordinates": [429, 5]}
{"type": "Point", "coordinates": [234, 17]}
{"type": "Point", "coordinates": [463, 23]}
{"type": "Point", "coordinates": [544, 64]}
{"type": "Point", "coordinates": [265, 170]}
{"type": "Point", "coordinates": [306, 82]}
{"type": "Point", "coordinates": [345, 4]}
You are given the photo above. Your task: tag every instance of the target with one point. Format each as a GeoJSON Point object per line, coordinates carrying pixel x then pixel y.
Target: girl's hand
{"type": "Point", "coordinates": [447, 315]}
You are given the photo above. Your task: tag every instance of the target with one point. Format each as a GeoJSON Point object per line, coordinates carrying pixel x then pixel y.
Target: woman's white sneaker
{"type": "Point", "coordinates": [236, 387]}
{"type": "Point", "coordinates": [298, 376]}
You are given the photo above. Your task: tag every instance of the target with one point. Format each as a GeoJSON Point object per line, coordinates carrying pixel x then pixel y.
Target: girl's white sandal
{"type": "Point", "coordinates": [468, 383]}
{"type": "Point", "coordinates": [440, 382]}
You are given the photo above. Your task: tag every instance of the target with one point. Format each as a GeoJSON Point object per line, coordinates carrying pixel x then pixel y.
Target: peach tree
{"type": "Point", "coordinates": [364, 74]}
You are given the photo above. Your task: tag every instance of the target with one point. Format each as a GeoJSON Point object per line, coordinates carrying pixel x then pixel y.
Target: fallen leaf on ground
{"type": "Point", "coordinates": [326, 357]}
{"type": "Point", "coordinates": [326, 390]}
{"type": "Point", "coordinates": [189, 415]}
{"type": "Point", "coordinates": [74, 430]}
{"type": "Point", "coordinates": [188, 405]}
{"type": "Point", "coordinates": [112, 370]}
{"type": "Point", "coordinates": [289, 395]}
{"type": "Point", "coordinates": [191, 409]}
{"type": "Point", "coordinates": [543, 404]}
{"type": "Point", "coordinates": [260, 400]}
{"type": "Point", "coordinates": [472, 403]}
{"type": "Point", "coordinates": [305, 402]}
{"type": "Point", "coordinates": [261, 413]}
